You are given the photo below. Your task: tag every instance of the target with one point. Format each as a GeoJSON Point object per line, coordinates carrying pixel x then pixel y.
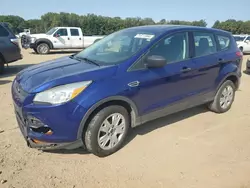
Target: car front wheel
{"type": "Point", "coordinates": [107, 131]}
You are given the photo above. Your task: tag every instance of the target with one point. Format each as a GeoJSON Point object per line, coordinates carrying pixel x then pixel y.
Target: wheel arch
{"type": "Point", "coordinates": [234, 77]}
{"type": "Point", "coordinates": [47, 41]}
{"type": "Point", "coordinates": [2, 57]}
{"type": "Point", "coordinates": [128, 104]}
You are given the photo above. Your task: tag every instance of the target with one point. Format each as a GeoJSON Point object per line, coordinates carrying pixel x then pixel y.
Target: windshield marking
{"type": "Point", "coordinates": [144, 36]}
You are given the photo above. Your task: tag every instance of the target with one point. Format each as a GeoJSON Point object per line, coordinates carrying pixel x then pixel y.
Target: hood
{"type": "Point", "coordinates": [40, 35]}
{"type": "Point", "coordinates": [60, 71]}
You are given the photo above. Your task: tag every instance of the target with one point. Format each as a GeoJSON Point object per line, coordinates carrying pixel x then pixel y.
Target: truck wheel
{"type": "Point", "coordinates": [43, 48]}
{"type": "Point", "coordinates": [224, 98]}
{"type": "Point", "coordinates": [241, 49]}
{"type": "Point", "coordinates": [107, 131]}
{"type": "Point", "coordinates": [2, 68]}
{"type": "Point", "coordinates": [35, 50]}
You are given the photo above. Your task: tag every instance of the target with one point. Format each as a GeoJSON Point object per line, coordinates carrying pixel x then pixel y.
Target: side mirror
{"type": "Point", "coordinates": [247, 41]}
{"type": "Point", "coordinates": [155, 61]}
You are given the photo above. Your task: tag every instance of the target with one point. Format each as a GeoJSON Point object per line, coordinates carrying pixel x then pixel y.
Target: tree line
{"type": "Point", "coordinates": [92, 24]}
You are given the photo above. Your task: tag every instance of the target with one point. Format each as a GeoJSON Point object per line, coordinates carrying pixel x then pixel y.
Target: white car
{"type": "Point", "coordinates": [243, 42]}
{"type": "Point", "coordinates": [59, 38]}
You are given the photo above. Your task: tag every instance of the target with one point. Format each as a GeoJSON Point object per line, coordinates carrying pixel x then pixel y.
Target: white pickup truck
{"type": "Point", "coordinates": [243, 42]}
{"type": "Point", "coordinates": [58, 38]}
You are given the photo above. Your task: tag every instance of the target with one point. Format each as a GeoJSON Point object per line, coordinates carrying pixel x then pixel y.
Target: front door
{"type": "Point", "coordinates": [61, 39]}
{"type": "Point", "coordinates": [246, 46]}
{"type": "Point", "coordinates": [158, 88]}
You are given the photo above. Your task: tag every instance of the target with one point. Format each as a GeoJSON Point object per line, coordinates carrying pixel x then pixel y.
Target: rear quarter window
{"type": "Point", "coordinates": [3, 32]}
{"type": "Point", "coordinates": [224, 42]}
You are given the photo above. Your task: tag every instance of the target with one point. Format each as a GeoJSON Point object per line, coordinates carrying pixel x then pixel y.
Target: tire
{"type": "Point", "coordinates": [2, 67]}
{"type": "Point", "coordinates": [43, 48]}
{"type": "Point", "coordinates": [217, 105]}
{"type": "Point", "coordinates": [35, 50]}
{"type": "Point", "coordinates": [241, 49]}
{"type": "Point", "coordinates": [93, 133]}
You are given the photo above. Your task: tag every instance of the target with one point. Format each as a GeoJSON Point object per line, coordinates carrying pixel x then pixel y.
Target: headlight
{"type": "Point", "coordinates": [61, 94]}
{"type": "Point", "coordinates": [33, 39]}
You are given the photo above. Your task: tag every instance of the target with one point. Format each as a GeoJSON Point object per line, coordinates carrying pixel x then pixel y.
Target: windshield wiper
{"type": "Point", "coordinates": [89, 60]}
{"type": "Point", "coordinates": [84, 59]}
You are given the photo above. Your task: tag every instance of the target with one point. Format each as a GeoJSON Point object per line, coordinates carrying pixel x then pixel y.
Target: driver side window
{"type": "Point", "coordinates": [173, 48]}
{"type": "Point", "coordinates": [62, 32]}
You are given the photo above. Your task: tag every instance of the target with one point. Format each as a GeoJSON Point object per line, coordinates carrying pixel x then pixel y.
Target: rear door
{"type": "Point", "coordinates": [62, 38]}
{"type": "Point", "coordinates": [75, 38]}
{"type": "Point", "coordinates": [206, 59]}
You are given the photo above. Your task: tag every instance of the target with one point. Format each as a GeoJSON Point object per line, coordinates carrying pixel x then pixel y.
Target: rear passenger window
{"type": "Point", "coordinates": [3, 32]}
{"type": "Point", "coordinates": [74, 32]}
{"type": "Point", "coordinates": [204, 44]}
{"type": "Point", "coordinates": [224, 42]}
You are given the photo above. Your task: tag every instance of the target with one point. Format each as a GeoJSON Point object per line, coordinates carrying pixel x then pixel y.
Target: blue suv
{"type": "Point", "coordinates": [132, 76]}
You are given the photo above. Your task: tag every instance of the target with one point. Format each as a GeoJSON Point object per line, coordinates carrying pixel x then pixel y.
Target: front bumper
{"type": "Point", "coordinates": [46, 126]}
{"type": "Point", "coordinates": [43, 145]}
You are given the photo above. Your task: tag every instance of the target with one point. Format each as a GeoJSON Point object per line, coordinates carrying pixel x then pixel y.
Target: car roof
{"type": "Point", "coordinates": [4, 24]}
{"type": "Point", "coordinates": [167, 28]}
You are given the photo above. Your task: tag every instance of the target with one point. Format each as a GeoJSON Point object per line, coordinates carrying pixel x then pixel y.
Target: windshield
{"type": "Point", "coordinates": [51, 31]}
{"type": "Point", "coordinates": [239, 38]}
{"type": "Point", "coordinates": [117, 47]}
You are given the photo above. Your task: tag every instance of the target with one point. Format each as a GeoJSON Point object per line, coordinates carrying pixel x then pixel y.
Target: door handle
{"type": "Point", "coordinates": [186, 69]}
{"type": "Point", "coordinates": [134, 84]}
{"type": "Point", "coordinates": [80, 38]}
{"type": "Point", "coordinates": [220, 60]}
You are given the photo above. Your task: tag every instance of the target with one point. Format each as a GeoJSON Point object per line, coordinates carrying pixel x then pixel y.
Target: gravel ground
{"type": "Point", "coordinates": [194, 148]}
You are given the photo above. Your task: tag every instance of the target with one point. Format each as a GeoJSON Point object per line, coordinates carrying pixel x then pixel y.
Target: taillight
{"type": "Point", "coordinates": [239, 54]}
{"type": "Point", "coordinates": [15, 41]}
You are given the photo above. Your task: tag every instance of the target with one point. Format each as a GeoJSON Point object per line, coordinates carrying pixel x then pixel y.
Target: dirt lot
{"type": "Point", "coordinates": [195, 148]}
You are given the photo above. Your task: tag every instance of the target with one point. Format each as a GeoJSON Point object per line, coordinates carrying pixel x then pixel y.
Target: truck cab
{"type": "Point", "coordinates": [59, 38]}
{"type": "Point", "coordinates": [243, 42]}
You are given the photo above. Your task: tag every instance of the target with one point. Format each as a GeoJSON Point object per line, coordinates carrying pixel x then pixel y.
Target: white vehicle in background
{"type": "Point", "coordinates": [243, 42]}
{"type": "Point", "coordinates": [25, 32]}
{"type": "Point", "coordinates": [59, 38]}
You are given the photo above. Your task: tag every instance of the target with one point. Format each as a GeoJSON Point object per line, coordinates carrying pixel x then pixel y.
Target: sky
{"type": "Point", "coordinates": [210, 10]}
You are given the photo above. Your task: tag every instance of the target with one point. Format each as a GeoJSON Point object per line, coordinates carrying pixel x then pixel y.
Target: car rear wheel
{"type": "Point", "coordinates": [2, 68]}
{"type": "Point", "coordinates": [43, 48]}
{"type": "Point", "coordinates": [107, 131]}
{"type": "Point", "coordinates": [224, 98]}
